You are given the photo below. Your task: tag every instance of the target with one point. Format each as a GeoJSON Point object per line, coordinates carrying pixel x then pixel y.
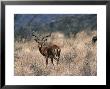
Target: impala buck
{"type": "Point", "coordinates": [49, 50]}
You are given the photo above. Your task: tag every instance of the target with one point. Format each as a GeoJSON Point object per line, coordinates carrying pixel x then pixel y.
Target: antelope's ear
{"type": "Point", "coordinates": [34, 35]}
{"type": "Point", "coordinates": [49, 35]}
{"type": "Point", "coordinates": [36, 40]}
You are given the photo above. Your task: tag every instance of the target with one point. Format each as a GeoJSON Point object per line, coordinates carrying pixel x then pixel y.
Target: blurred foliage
{"type": "Point", "coordinates": [24, 24]}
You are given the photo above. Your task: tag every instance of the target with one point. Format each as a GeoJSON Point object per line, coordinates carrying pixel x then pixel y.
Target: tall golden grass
{"type": "Point", "coordinates": [78, 56]}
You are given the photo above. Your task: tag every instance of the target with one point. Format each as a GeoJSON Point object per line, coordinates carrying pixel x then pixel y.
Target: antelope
{"type": "Point", "coordinates": [94, 39]}
{"type": "Point", "coordinates": [51, 51]}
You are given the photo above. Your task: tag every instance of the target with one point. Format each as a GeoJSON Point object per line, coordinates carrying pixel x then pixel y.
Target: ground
{"type": "Point", "coordinates": [78, 56]}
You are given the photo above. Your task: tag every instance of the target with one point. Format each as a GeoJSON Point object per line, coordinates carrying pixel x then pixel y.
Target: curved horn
{"type": "Point", "coordinates": [33, 34]}
{"type": "Point", "coordinates": [45, 38]}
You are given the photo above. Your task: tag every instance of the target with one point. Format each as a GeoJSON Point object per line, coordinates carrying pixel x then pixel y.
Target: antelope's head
{"type": "Point", "coordinates": [40, 39]}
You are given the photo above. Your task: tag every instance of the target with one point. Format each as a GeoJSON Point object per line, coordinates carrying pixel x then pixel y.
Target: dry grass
{"type": "Point", "coordinates": [78, 57]}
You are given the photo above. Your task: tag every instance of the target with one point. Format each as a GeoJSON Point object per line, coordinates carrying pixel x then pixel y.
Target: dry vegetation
{"type": "Point", "coordinates": [78, 56]}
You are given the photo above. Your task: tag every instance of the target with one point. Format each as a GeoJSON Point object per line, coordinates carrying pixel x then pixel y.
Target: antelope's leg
{"type": "Point", "coordinates": [58, 56]}
{"type": "Point", "coordinates": [52, 61]}
{"type": "Point", "coordinates": [46, 62]}
{"type": "Point", "coordinates": [57, 61]}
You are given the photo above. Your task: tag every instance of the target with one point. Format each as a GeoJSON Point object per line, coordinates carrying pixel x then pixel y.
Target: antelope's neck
{"type": "Point", "coordinates": [41, 51]}
{"type": "Point", "coordinates": [35, 40]}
